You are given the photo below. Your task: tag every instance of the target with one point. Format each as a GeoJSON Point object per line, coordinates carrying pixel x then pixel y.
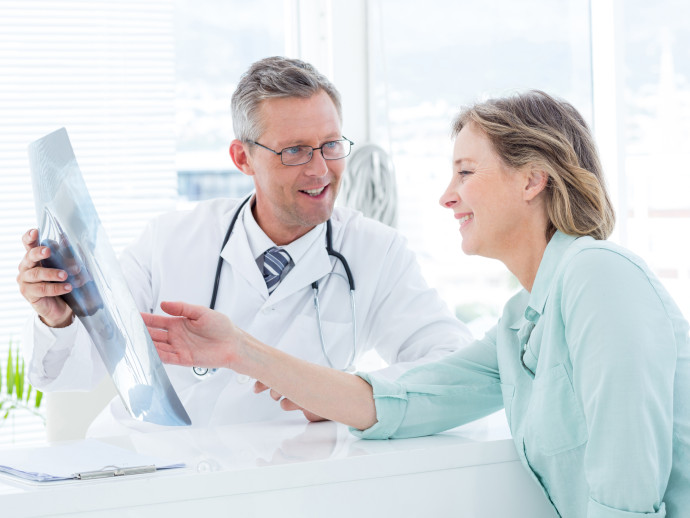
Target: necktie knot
{"type": "Point", "coordinates": [275, 261]}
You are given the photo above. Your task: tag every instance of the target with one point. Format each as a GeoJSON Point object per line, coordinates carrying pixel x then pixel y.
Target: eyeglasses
{"type": "Point", "coordinates": [300, 155]}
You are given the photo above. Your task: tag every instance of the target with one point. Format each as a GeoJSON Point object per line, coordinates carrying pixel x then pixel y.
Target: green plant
{"type": "Point", "coordinates": [17, 392]}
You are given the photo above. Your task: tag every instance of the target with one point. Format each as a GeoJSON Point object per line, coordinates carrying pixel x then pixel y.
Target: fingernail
{"type": "Point", "coordinates": [44, 251]}
{"type": "Point", "coordinates": [68, 287]}
{"type": "Point", "coordinates": [62, 275]}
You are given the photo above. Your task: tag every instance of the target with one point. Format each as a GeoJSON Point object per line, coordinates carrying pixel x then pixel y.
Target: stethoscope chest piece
{"type": "Point", "coordinates": [201, 372]}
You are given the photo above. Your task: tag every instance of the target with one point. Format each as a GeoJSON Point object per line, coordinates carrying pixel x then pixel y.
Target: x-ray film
{"type": "Point", "coordinates": [69, 225]}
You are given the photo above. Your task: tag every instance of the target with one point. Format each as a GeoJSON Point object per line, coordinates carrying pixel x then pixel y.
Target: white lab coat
{"type": "Point", "coordinates": [175, 258]}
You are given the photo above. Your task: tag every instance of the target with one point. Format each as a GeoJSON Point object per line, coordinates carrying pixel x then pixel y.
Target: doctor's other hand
{"type": "Point", "coordinates": [41, 286]}
{"type": "Point", "coordinates": [286, 404]}
{"type": "Point", "coordinates": [194, 336]}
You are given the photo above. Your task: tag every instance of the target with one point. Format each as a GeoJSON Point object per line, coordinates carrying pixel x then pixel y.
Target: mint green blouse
{"type": "Point", "coordinates": [593, 369]}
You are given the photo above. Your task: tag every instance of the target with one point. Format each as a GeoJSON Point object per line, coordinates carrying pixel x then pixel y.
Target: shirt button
{"type": "Point", "coordinates": [242, 378]}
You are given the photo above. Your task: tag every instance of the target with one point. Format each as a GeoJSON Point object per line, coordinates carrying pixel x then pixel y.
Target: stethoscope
{"type": "Point", "coordinates": [203, 371]}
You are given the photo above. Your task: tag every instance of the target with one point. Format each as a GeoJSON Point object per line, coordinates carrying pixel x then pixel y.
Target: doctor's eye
{"type": "Point", "coordinates": [294, 150]}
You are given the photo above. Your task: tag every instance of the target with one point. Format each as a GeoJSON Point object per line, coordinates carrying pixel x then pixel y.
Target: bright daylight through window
{"type": "Point", "coordinates": [144, 90]}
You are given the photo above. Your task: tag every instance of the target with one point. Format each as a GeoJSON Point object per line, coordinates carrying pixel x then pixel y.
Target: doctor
{"type": "Point", "coordinates": [321, 284]}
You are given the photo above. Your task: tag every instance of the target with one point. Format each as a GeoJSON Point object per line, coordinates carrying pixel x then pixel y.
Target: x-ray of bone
{"type": "Point", "coordinates": [69, 225]}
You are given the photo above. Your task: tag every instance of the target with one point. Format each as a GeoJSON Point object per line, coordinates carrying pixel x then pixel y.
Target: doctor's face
{"type": "Point", "coordinates": [485, 196]}
{"type": "Point", "coordinates": [291, 200]}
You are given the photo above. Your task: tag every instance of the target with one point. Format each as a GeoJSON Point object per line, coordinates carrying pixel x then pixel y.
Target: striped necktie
{"type": "Point", "coordinates": [275, 261]}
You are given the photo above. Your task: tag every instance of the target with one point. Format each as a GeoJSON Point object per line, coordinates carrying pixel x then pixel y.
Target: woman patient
{"type": "Point", "coordinates": [591, 360]}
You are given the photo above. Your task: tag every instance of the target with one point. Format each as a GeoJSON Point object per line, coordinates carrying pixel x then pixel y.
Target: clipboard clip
{"type": "Point", "coordinates": [114, 471]}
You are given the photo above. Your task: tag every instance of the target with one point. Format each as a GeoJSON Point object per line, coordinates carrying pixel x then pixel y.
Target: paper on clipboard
{"type": "Point", "coordinates": [73, 460]}
{"type": "Point", "coordinates": [100, 298]}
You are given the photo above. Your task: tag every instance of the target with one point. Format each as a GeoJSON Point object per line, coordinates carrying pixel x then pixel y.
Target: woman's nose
{"type": "Point", "coordinates": [449, 198]}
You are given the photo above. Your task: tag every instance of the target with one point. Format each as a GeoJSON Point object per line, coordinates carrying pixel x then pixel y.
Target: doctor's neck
{"type": "Point", "coordinates": [282, 229]}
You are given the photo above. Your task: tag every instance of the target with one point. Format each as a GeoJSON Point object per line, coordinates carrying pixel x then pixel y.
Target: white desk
{"type": "Point", "coordinates": [299, 469]}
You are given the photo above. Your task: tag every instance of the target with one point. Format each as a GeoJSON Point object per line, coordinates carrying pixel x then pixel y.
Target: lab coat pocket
{"type": "Point", "coordinates": [508, 392]}
{"type": "Point", "coordinates": [556, 421]}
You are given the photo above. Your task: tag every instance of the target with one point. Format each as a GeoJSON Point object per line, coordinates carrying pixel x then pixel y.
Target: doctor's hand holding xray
{"type": "Point", "coordinates": [43, 287]}
{"type": "Point", "coordinates": [591, 360]}
{"type": "Point", "coordinates": [323, 284]}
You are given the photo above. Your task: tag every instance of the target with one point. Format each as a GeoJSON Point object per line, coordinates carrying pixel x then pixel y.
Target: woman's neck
{"type": "Point", "coordinates": [524, 260]}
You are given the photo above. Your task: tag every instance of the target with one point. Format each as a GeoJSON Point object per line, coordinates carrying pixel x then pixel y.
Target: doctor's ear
{"type": "Point", "coordinates": [240, 156]}
{"type": "Point", "coordinates": [536, 181]}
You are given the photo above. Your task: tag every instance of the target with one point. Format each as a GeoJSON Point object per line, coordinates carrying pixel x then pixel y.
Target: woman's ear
{"type": "Point", "coordinates": [536, 181]}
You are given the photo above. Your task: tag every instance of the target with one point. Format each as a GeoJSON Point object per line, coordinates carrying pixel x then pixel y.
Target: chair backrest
{"type": "Point", "coordinates": [69, 414]}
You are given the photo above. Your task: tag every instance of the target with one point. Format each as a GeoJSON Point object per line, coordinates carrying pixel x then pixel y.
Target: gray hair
{"type": "Point", "coordinates": [271, 78]}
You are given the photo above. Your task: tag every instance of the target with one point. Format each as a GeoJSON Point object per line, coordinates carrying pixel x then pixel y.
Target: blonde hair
{"type": "Point", "coordinates": [534, 127]}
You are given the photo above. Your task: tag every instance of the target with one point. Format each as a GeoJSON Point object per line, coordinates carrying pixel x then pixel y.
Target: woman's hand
{"type": "Point", "coordinates": [194, 336]}
{"type": "Point", "coordinates": [198, 336]}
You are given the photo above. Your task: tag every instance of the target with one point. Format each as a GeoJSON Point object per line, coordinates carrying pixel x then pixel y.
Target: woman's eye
{"type": "Point", "coordinates": [464, 173]}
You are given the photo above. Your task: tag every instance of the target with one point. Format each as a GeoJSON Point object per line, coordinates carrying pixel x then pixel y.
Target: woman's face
{"type": "Point", "coordinates": [486, 196]}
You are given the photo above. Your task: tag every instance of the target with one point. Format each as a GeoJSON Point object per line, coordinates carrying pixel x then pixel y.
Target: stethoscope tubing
{"type": "Point", "coordinates": [219, 267]}
{"type": "Point", "coordinates": [202, 371]}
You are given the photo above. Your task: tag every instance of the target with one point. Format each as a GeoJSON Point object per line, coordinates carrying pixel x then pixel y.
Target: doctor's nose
{"type": "Point", "coordinates": [318, 165]}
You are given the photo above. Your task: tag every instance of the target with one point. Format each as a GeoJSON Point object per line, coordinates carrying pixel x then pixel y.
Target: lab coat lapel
{"type": "Point", "coordinates": [240, 259]}
{"type": "Point", "coordinates": [311, 267]}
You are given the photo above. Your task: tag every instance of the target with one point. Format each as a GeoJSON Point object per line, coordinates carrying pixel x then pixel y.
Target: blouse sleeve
{"type": "Point", "coordinates": [437, 396]}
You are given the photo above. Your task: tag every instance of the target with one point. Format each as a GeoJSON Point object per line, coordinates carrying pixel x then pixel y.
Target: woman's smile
{"type": "Point", "coordinates": [465, 219]}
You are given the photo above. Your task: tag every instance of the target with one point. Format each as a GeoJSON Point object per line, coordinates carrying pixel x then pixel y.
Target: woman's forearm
{"type": "Point", "coordinates": [330, 393]}
{"type": "Point", "coordinates": [197, 335]}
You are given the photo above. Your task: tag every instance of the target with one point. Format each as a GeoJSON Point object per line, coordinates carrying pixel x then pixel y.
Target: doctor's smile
{"type": "Point", "coordinates": [318, 192]}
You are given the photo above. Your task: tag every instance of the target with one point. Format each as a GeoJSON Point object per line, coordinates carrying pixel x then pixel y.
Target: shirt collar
{"type": "Point", "coordinates": [548, 266]}
{"type": "Point", "coordinates": [259, 242]}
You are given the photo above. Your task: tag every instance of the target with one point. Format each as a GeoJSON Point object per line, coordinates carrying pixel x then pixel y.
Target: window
{"type": "Point", "coordinates": [472, 51]}
{"type": "Point", "coordinates": [105, 71]}
{"type": "Point", "coordinates": [143, 89]}
{"type": "Point", "coordinates": [655, 87]}
{"type": "Point", "coordinates": [215, 42]}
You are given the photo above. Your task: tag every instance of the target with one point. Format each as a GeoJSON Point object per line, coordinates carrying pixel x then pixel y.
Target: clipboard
{"type": "Point", "coordinates": [88, 459]}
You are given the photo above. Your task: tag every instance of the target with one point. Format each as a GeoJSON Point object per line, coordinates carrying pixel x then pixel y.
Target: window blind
{"type": "Point", "coordinates": [106, 72]}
